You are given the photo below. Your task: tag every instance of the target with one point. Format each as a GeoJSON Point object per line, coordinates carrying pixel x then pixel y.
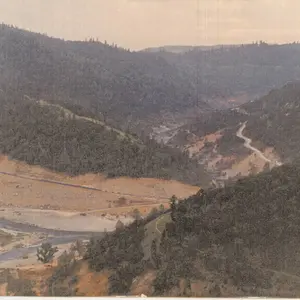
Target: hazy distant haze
{"type": "Point", "coordinates": [139, 24]}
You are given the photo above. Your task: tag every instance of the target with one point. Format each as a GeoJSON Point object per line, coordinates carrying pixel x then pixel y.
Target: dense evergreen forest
{"type": "Point", "coordinates": [126, 87]}
{"type": "Point", "coordinates": [275, 121]}
{"type": "Point", "coordinates": [241, 240]}
{"type": "Point", "coordinates": [117, 84]}
{"type": "Point", "coordinates": [42, 135]}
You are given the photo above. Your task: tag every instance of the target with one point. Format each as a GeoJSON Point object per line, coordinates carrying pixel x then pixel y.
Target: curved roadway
{"type": "Point", "coordinates": [248, 142]}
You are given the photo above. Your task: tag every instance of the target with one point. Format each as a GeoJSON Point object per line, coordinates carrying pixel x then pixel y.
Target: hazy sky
{"type": "Point", "coordinates": [138, 24]}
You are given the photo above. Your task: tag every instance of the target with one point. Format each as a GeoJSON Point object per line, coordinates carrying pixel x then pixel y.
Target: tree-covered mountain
{"type": "Point", "coordinates": [126, 87]}
{"type": "Point", "coordinates": [230, 72]}
{"type": "Point", "coordinates": [275, 121]}
{"type": "Point", "coordinates": [240, 240]}
{"type": "Point", "coordinates": [117, 84]}
{"type": "Point", "coordinates": [58, 139]}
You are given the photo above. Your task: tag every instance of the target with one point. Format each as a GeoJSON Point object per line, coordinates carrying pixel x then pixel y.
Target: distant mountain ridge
{"type": "Point", "coordinates": [183, 49]}
{"type": "Point", "coordinates": [250, 71]}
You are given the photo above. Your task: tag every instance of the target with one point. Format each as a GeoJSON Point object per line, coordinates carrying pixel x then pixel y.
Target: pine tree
{"type": "Point", "coordinates": [78, 247]}
{"type": "Point", "coordinates": [173, 202]}
{"type": "Point", "coordinates": [161, 208]}
{"type": "Point", "coordinates": [136, 214]}
{"type": "Point", "coordinates": [120, 226]}
{"type": "Point", "coordinates": [46, 253]}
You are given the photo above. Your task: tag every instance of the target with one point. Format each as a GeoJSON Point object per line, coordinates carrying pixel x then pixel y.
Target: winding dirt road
{"type": "Point", "coordinates": [248, 142]}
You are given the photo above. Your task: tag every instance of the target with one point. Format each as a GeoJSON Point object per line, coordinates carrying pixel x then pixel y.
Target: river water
{"type": "Point", "coordinates": [57, 237]}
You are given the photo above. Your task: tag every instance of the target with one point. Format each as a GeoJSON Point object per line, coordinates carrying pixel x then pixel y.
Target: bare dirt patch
{"type": "Point", "coordinates": [92, 284]}
{"type": "Point", "coordinates": [20, 192]}
{"type": "Point", "coordinates": [252, 164]}
{"type": "Point", "coordinates": [196, 147]}
{"type": "Point", "coordinates": [127, 210]}
{"type": "Point", "coordinates": [143, 284]}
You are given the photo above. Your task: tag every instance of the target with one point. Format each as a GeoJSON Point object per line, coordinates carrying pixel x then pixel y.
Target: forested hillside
{"type": "Point", "coordinates": [239, 240]}
{"type": "Point", "coordinates": [119, 85]}
{"type": "Point", "coordinates": [46, 136]}
{"type": "Point", "coordinates": [126, 87]}
{"type": "Point", "coordinates": [275, 121]}
{"type": "Point", "coordinates": [251, 70]}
